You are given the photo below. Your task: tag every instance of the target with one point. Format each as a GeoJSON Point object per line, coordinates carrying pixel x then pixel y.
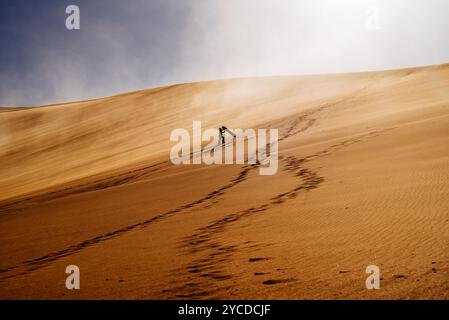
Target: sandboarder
{"type": "Point", "coordinates": [221, 131]}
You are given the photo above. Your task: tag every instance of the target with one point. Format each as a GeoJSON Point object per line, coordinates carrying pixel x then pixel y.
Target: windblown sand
{"type": "Point", "coordinates": [363, 179]}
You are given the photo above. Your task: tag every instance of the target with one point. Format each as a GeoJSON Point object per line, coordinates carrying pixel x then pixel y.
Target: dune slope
{"type": "Point", "coordinates": [362, 180]}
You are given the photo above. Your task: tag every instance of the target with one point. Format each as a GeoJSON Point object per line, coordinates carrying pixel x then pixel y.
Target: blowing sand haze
{"type": "Point", "coordinates": [362, 180]}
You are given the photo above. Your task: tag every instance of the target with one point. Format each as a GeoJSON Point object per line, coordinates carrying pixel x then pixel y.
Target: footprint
{"type": "Point", "coordinates": [258, 259]}
{"type": "Point", "coordinates": [277, 281]}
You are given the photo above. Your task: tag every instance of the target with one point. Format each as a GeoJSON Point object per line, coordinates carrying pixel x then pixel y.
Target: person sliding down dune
{"type": "Point", "coordinates": [222, 130]}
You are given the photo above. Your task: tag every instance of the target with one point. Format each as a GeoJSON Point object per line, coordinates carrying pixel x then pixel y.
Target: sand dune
{"type": "Point", "coordinates": [363, 179]}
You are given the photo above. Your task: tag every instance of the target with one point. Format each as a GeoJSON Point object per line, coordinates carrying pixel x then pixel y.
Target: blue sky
{"type": "Point", "coordinates": [129, 45]}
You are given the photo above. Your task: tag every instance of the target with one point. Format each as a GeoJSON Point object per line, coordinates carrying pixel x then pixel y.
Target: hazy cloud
{"type": "Point", "coordinates": [140, 44]}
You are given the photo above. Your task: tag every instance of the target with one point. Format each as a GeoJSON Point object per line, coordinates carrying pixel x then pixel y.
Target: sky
{"type": "Point", "coordinates": [124, 46]}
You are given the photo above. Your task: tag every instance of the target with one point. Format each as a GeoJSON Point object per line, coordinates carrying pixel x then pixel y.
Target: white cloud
{"type": "Point", "coordinates": [160, 42]}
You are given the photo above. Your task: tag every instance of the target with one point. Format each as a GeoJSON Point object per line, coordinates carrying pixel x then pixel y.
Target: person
{"type": "Point", "coordinates": [221, 138]}
{"type": "Point", "coordinates": [222, 130]}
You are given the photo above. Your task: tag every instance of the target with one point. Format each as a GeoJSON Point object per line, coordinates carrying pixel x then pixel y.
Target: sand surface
{"type": "Point", "coordinates": [363, 179]}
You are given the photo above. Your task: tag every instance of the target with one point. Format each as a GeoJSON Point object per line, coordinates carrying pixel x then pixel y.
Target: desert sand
{"type": "Point", "coordinates": [363, 179]}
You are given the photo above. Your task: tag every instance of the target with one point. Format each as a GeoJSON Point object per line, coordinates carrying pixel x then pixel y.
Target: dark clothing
{"type": "Point", "coordinates": [222, 131]}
